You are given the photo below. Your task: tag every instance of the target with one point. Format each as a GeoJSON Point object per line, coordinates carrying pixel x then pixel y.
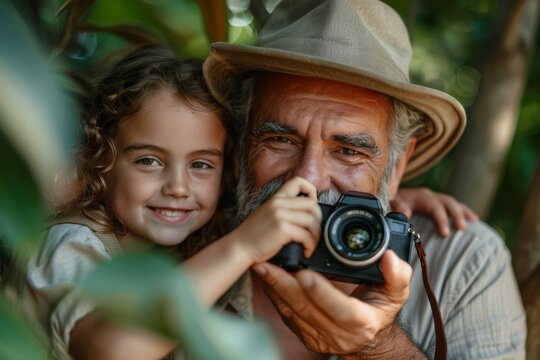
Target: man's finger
{"type": "Point", "coordinates": [341, 308]}
{"type": "Point", "coordinates": [277, 277]}
{"type": "Point", "coordinates": [456, 212]}
{"type": "Point", "coordinates": [441, 219]}
{"type": "Point", "coordinates": [282, 287]}
{"type": "Point", "coordinates": [397, 276]}
{"type": "Point", "coordinates": [470, 214]}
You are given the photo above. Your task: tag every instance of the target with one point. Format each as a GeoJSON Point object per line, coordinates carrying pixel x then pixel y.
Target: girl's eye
{"type": "Point", "coordinates": [148, 161]}
{"type": "Point", "coordinates": [201, 165]}
{"type": "Point", "coordinates": [348, 151]}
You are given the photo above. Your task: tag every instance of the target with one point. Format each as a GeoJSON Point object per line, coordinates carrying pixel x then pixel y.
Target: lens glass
{"type": "Point", "coordinates": [356, 237]}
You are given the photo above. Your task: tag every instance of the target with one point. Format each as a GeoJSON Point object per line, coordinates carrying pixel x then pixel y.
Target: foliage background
{"type": "Point", "coordinates": [449, 40]}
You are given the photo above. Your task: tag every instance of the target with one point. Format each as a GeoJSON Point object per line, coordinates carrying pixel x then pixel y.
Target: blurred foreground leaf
{"type": "Point", "coordinates": [149, 289]}
{"type": "Point", "coordinates": [21, 209]}
{"type": "Point", "coordinates": [34, 114]}
{"type": "Point", "coordinates": [17, 340]}
{"type": "Point", "coordinates": [36, 128]}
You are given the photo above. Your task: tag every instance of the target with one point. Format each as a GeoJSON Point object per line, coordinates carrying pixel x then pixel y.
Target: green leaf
{"type": "Point", "coordinates": [132, 33]}
{"type": "Point", "coordinates": [178, 23]}
{"type": "Point", "coordinates": [151, 290]}
{"type": "Point", "coordinates": [77, 10]}
{"type": "Point", "coordinates": [37, 118]}
{"type": "Point", "coordinates": [63, 8]}
{"type": "Point", "coordinates": [22, 217]}
{"type": "Point", "coordinates": [36, 128]}
{"type": "Point", "coordinates": [18, 341]}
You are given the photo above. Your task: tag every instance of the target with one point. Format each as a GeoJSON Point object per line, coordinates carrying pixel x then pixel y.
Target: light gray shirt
{"type": "Point", "coordinates": [472, 278]}
{"type": "Point", "coordinates": [69, 252]}
{"type": "Point", "coordinates": [470, 274]}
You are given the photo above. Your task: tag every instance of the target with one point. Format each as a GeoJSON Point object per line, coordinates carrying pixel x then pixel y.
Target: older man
{"type": "Point", "coordinates": [325, 95]}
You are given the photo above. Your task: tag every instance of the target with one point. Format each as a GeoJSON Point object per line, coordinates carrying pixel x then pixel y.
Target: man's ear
{"type": "Point", "coordinates": [399, 167]}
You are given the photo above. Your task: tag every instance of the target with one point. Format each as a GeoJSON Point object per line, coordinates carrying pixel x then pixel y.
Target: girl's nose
{"type": "Point", "coordinates": [177, 184]}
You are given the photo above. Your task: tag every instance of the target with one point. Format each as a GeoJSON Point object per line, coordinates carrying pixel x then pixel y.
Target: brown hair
{"type": "Point", "coordinates": [119, 93]}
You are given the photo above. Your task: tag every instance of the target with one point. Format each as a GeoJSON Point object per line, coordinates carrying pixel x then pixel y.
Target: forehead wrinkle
{"type": "Point", "coordinates": [298, 87]}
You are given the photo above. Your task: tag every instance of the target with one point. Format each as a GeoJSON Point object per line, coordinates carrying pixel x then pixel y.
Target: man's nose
{"type": "Point", "coordinates": [312, 167]}
{"type": "Point", "coordinates": [176, 184]}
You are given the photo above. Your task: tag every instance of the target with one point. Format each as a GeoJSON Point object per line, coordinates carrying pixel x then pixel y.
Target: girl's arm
{"type": "Point", "coordinates": [283, 218]}
{"type": "Point", "coordinates": [440, 207]}
{"type": "Point", "coordinates": [96, 338]}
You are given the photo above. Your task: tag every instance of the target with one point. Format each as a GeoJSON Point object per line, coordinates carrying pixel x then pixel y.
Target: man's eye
{"type": "Point", "coordinates": [348, 151]}
{"type": "Point", "coordinates": [281, 139]}
{"type": "Point", "coordinates": [201, 165]}
{"type": "Point", "coordinates": [147, 161]}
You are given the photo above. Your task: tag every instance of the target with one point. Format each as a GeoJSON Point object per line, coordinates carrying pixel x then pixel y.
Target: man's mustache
{"type": "Point", "coordinates": [259, 196]}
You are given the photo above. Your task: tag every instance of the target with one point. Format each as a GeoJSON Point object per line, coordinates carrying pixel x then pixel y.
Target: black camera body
{"type": "Point", "coordinates": [354, 235]}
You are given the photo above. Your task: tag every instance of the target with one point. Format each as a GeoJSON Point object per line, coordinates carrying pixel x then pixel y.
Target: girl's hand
{"type": "Point", "coordinates": [440, 207]}
{"type": "Point", "coordinates": [292, 214]}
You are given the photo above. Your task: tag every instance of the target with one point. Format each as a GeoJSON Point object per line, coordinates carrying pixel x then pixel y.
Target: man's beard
{"type": "Point", "coordinates": [250, 198]}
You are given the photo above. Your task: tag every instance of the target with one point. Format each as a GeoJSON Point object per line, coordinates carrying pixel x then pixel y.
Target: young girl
{"type": "Point", "coordinates": [153, 172]}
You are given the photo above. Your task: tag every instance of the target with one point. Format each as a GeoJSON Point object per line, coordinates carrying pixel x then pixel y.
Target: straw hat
{"type": "Point", "coordinates": [359, 42]}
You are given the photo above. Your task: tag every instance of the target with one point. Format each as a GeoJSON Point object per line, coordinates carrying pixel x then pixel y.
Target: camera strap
{"type": "Point", "coordinates": [441, 348]}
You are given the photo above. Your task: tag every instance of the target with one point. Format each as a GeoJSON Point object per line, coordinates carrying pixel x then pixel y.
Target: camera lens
{"type": "Point", "coordinates": [356, 236]}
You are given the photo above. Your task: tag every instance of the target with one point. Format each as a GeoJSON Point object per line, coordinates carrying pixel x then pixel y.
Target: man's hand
{"type": "Point", "coordinates": [330, 321]}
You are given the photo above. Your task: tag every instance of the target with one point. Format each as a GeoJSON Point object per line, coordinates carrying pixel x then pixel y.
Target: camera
{"type": "Point", "coordinates": [354, 235]}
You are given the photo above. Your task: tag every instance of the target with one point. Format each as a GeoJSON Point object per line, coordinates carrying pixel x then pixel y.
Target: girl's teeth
{"type": "Point", "coordinates": [170, 213]}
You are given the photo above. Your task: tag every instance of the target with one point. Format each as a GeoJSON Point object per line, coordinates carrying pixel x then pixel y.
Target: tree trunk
{"type": "Point", "coordinates": [479, 157]}
{"type": "Point", "coordinates": [215, 15]}
{"type": "Point", "coordinates": [527, 265]}
{"type": "Point", "coordinates": [526, 254]}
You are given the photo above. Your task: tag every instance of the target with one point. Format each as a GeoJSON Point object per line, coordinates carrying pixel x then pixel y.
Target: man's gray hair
{"type": "Point", "coordinates": [406, 122]}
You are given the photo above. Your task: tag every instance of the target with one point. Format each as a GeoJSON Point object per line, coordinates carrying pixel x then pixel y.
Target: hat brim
{"type": "Point", "coordinates": [447, 116]}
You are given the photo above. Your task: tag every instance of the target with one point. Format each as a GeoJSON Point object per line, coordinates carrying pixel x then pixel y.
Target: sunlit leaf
{"type": "Point", "coordinates": [151, 290]}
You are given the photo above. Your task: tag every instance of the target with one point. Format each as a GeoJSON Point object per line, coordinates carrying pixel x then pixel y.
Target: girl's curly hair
{"type": "Point", "coordinates": [119, 93]}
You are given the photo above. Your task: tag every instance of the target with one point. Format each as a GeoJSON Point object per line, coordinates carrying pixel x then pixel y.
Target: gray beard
{"type": "Point", "coordinates": [250, 198]}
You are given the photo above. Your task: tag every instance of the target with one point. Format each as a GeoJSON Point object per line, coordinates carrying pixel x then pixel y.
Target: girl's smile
{"type": "Point", "coordinates": [171, 215]}
{"type": "Point", "coordinates": [166, 179]}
